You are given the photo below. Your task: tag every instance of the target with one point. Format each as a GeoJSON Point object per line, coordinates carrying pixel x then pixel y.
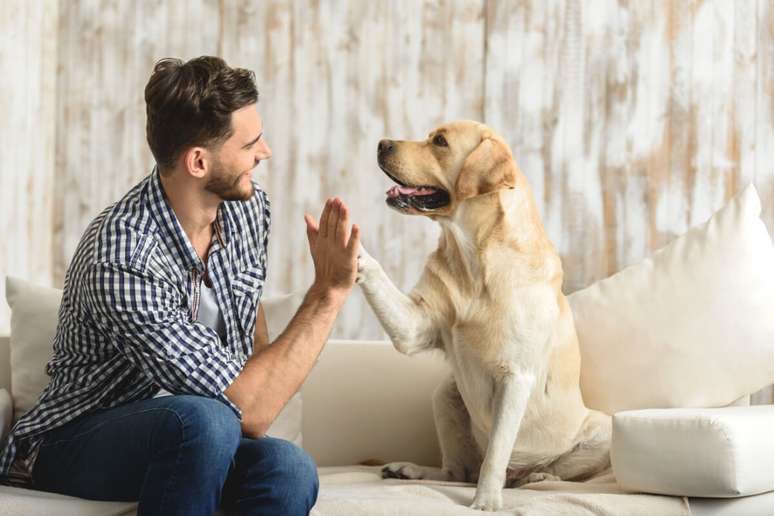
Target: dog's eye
{"type": "Point", "coordinates": [440, 141]}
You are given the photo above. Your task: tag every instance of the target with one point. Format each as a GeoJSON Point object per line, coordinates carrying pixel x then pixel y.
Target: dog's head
{"type": "Point", "coordinates": [456, 162]}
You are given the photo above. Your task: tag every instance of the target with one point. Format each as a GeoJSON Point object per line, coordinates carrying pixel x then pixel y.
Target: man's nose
{"type": "Point", "coordinates": [385, 147]}
{"type": "Point", "coordinates": [264, 152]}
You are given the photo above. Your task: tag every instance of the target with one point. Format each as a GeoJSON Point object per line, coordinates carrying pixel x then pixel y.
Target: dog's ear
{"type": "Point", "coordinates": [490, 167]}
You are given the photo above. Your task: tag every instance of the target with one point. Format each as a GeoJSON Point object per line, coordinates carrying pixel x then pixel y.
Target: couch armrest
{"type": "Point", "coordinates": [6, 415]}
{"type": "Point", "coordinates": [705, 452]}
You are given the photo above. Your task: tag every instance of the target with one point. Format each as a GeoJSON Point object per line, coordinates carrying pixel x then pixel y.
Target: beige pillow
{"type": "Point", "coordinates": [34, 316]}
{"type": "Point", "coordinates": [692, 326]}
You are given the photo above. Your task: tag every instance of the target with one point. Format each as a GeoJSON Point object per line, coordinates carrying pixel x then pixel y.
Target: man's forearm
{"type": "Point", "coordinates": [272, 375]}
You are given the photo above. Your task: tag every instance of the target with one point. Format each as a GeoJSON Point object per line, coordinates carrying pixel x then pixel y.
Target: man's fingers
{"type": "Point", "coordinates": [353, 246]}
{"type": "Point", "coordinates": [342, 230]}
{"type": "Point", "coordinates": [324, 218]}
{"type": "Point", "coordinates": [333, 219]}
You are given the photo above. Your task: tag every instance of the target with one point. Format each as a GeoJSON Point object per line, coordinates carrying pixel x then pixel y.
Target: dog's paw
{"type": "Point", "coordinates": [539, 477]}
{"type": "Point", "coordinates": [403, 471]}
{"type": "Point", "coordinates": [367, 266]}
{"type": "Point", "coordinates": [487, 499]}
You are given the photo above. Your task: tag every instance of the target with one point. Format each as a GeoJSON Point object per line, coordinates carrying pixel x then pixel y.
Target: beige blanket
{"type": "Point", "coordinates": [360, 490]}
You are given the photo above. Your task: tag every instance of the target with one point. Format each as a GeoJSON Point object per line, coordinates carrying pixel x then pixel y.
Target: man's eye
{"type": "Point", "coordinates": [440, 141]}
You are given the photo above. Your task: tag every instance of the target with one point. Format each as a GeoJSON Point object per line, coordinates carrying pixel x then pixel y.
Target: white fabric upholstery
{"type": "Point", "coordinates": [722, 452]}
{"type": "Point", "coordinates": [34, 315]}
{"type": "Point", "coordinates": [360, 491]}
{"type": "Point", "coordinates": [364, 400]}
{"type": "Point", "coordinates": [689, 327]}
{"type": "Point", "coordinates": [6, 415]}
{"type": "Point", "coordinates": [758, 505]}
{"type": "Point", "coordinates": [34, 311]}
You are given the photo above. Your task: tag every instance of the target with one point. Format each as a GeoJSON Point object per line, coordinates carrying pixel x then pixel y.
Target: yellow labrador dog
{"type": "Point", "coordinates": [490, 297]}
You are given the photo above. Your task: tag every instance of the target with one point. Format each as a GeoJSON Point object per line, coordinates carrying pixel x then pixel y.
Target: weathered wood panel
{"type": "Point", "coordinates": [27, 93]}
{"type": "Point", "coordinates": [633, 120]}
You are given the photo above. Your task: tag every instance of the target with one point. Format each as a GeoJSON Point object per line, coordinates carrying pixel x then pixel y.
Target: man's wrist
{"type": "Point", "coordinates": [328, 296]}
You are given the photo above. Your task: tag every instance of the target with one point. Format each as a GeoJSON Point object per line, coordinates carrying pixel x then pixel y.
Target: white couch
{"type": "Point", "coordinates": [364, 401]}
{"type": "Point", "coordinates": [689, 327]}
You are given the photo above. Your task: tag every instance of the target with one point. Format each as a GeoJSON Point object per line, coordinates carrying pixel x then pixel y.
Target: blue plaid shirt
{"type": "Point", "coordinates": [127, 323]}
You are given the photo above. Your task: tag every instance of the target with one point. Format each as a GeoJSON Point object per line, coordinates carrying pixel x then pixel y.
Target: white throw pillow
{"type": "Point", "coordinates": [34, 316]}
{"type": "Point", "coordinates": [692, 326]}
{"type": "Point", "coordinates": [712, 452]}
{"type": "Point", "coordinates": [6, 415]}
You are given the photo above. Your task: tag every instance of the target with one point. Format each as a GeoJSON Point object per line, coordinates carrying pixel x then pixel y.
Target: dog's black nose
{"type": "Point", "coordinates": [385, 147]}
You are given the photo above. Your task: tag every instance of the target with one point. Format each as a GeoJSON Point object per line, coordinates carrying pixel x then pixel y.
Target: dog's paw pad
{"type": "Point", "coordinates": [402, 470]}
{"type": "Point", "coordinates": [540, 477]}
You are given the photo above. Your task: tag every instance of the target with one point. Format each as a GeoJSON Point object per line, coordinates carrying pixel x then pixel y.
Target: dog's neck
{"type": "Point", "coordinates": [507, 218]}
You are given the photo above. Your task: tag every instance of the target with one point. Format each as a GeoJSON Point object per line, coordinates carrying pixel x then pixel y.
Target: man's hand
{"type": "Point", "coordinates": [334, 248]}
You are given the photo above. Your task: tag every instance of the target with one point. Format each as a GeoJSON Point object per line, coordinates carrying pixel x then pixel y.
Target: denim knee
{"type": "Point", "coordinates": [292, 463]}
{"type": "Point", "coordinates": [283, 475]}
{"type": "Point", "coordinates": [206, 426]}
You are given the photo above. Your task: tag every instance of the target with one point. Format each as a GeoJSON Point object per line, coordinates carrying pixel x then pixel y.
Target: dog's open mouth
{"type": "Point", "coordinates": [422, 198]}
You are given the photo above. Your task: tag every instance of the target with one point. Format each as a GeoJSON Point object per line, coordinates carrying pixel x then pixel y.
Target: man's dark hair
{"type": "Point", "coordinates": [190, 104]}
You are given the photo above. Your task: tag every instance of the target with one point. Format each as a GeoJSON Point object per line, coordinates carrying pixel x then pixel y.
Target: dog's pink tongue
{"type": "Point", "coordinates": [408, 190]}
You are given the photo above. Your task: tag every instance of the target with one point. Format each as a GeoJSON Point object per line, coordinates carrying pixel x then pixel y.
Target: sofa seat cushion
{"type": "Point", "coordinates": [721, 452]}
{"type": "Point", "coordinates": [14, 500]}
{"type": "Point", "coordinates": [360, 491]}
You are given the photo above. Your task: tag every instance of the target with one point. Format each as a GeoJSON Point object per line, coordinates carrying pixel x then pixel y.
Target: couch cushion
{"type": "Point", "coordinates": [17, 501]}
{"type": "Point", "coordinates": [34, 315]}
{"type": "Point", "coordinates": [360, 491]}
{"type": "Point", "coordinates": [689, 327]}
{"type": "Point", "coordinates": [720, 452]}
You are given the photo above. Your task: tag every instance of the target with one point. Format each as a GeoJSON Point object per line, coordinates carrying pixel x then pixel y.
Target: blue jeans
{"type": "Point", "coordinates": [176, 455]}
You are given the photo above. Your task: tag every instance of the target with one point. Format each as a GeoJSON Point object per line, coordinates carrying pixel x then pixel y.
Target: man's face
{"type": "Point", "coordinates": [230, 177]}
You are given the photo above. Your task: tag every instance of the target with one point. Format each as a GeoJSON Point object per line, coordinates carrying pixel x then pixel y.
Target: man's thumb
{"type": "Point", "coordinates": [311, 228]}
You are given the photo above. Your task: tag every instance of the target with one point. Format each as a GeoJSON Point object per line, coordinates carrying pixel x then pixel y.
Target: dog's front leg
{"type": "Point", "coordinates": [409, 328]}
{"type": "Point", "coordinates": [512, 392]}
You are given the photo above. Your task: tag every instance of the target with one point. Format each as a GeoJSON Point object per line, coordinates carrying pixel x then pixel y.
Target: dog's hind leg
{"type": "Point", "coordinates": [592, 453]}
{"type": "Point", "coordinates": [461, 459]}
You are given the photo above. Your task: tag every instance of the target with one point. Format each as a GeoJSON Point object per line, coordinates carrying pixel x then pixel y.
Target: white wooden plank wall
{"type": "Point", "coordinates": [633, 120]}
{"type": "Point", "coordinates": [27, 100]}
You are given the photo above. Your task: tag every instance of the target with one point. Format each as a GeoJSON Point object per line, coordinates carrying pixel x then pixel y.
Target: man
{"type": "Point", "coordinates": [162, 381]}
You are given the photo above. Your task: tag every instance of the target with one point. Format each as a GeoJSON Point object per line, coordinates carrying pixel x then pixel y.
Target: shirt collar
{"type": "Point", "coordinates": [182, 250]}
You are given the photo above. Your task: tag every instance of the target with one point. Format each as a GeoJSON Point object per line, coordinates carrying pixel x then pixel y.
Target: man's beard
{"type": "Point", "coordinates": [227, 186]}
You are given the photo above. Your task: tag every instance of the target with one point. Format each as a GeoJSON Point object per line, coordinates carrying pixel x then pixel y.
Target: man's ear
{"type": "Point", "coordinates": [194, 159]}
{"type": "Point", "coordinates": [490, 167]}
